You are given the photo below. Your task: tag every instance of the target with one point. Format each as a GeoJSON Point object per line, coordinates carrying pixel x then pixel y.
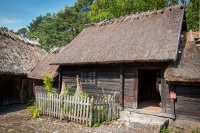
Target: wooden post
{"type": "Point", "coordinates": [61, 107]}
{"type": "Point", "coordinates": [163, 91]}
{"type": "Point", "coordinates": [81, 104]}
{"type": "Point", "coordinates": [87, 112]}
{"type": "Point", "coordinates": [135, 90]}
{"type": "Point", "coordinates": [91, 110]}
{"type": "Point", "coordinates": [84, 109]}
{"type": "Point", "coordinates": [60, 79]}
{"type": "Point", "coordinates": [99, 109]}
{"type": "Point", "coordinates": [103, 106]}
{"type": "Point", "coordinates": [172, 101]}
{"type": "Point", "coordinates": [109, 108]}
{"type": "Point", "coordinates": [122, 85]}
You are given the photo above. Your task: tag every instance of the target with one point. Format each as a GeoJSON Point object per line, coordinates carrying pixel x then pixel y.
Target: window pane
{"type": "Point", "coordinates": [88, 77]}
{"type": "Point", "coordinates": [84, 77]}
{"type": "Point", "coordinates": [91, 76]}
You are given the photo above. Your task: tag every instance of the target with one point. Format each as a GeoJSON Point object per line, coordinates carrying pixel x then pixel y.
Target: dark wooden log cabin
{"type": "Point", "coordinates": [124, 56]}
{"type": "Point", "coordinates": [44, 68]}
{"type": "Point", "coordinates": [183, 78]}
{"type": "Point", "coordinates": [18, 56]}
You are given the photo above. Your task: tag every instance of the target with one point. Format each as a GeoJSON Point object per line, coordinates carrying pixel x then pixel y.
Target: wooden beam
{"type": "Point", "coordinates": [172, 102]}
{"type": "Point", "coordinates": [163, 91]}
{"type": "Point", "coordinates": [135, 90]}
{"type": "Point", "coordinates": [60, 79]}
{"type": "Point", "coordinates": [122, 85]}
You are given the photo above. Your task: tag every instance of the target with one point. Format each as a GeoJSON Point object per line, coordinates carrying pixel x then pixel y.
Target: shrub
{"type": "Point", "coordinates": [33, 112]}
{"type": "Point", "coordinates": [48, 84]}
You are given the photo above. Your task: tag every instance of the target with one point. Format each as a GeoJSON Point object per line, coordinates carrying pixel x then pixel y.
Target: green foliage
{"type": "Point", "coordinates": [60, 28]}
{"type": "Point", "coordinates": [67, 90]}
{"type": "Point", "coordinates": [106, 122]}
{"type": "Point", "coordinates": [33, 112]}
{"type": "Point", "coordinates": [195, 131]}
{"type": "Point", "coordinates": [87, 125]}
{"type": "Point", "coordinates": [165, 130]}
{"type": "Point", "coordinates": [22, 31]}
{"type": "Point", "coordinates": [48, 84]}
{"type": "Point", "coordinates": [96, 124]}
{"type": "Point", "coordinates": [193, 15]}
{"type": "Point", "coordinates": [95, 113]}
{"type": "Point", "coordinates": [173, 2]}
{"type": "Point", "coordinates": [4, 28]}
{"type": "Point", "coordinates": [82, 94]}
{"type": "Point", "coordinates": [107, 9]}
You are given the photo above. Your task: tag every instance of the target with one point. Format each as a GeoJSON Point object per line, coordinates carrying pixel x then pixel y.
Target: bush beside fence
{"type": "Point", "coordinates": [81, 109]}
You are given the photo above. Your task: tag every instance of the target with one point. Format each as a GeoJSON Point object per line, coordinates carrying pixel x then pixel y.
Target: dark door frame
{"type": "Point", "coordinates": [163, 91]}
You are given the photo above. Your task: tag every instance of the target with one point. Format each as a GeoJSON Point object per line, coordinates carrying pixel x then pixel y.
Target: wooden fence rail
{"type": "Point", "coordinates": [80, 109]}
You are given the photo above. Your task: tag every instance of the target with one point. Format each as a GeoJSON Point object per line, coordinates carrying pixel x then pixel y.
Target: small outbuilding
{"type": "Point", "coordinates": [183, 78]}
{"type": "Point", "coordinates": [44, 68]}
{"type": "Point", "coordinates": [18, 56]}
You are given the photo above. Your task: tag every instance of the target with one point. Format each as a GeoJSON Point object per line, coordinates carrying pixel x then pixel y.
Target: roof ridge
{"type": "Point", "coordinates": [134, 16]}
{"type": "Point", "coordinates": [21, 38]}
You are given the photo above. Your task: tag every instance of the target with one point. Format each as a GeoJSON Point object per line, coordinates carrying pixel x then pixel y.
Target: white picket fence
{"type": "Point", "coordinates": [82, 110]}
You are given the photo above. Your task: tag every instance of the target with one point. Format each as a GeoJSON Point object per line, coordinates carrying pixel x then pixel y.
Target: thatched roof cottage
{"type": "Point", "coordinates": [129, 56]}
{"type": "Point", "coordinates": [18, 56]}
{"type": "Point", "coordinates": [184, 79]}
{"type": "Point", "coordinates": [44, 68]}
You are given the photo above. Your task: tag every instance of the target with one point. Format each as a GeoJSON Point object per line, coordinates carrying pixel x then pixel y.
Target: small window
{"type": "Point", "coordinates": [87, 77]}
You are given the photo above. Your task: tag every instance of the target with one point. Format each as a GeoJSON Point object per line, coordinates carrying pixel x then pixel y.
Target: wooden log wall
{"type": "Point", "coordinates": [188, 99]}
{"type": "Point", "coordinates": [107, 80]}
{"type": "Point", "coordinates": [169, 101]}
{"type": "Point", "coordinates": [10, 86]}
{"type": "Point", "coordinates": [130, 88]}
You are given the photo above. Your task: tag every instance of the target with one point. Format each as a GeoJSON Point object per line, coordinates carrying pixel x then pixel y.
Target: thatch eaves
{"type": "Point", "coordinates": [187, 68]}
{"type": "Point", "coordinates": [146, 37]}
{"type": "Point", "coordinates": [18, 55]}
{"type": "Point", "coordinates": [44, 67]}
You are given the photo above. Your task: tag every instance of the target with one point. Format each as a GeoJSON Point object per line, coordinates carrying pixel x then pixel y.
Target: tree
{"type": "Point", "coordinates": [4, 28]}
{"type": "Point", "coordinates": [173, 2]}
{"type": "Point", "coordinates": [107, 9]}
{"type": "Point", "coordinates": [60, 28]}
{"type": "Point", "coordinates": [22, 31]}
{"type": "Point", "coordinates": [193, 15]}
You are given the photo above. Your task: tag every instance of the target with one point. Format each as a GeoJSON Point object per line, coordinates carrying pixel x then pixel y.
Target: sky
{"type": "Point", "coordinates": [16, 14]}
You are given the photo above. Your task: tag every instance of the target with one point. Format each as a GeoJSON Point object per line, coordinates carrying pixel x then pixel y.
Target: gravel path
{"type": "Point", "coordinates": [14, 120]}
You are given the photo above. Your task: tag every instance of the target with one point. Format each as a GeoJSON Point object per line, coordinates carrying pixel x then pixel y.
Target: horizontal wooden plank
{"type": "Point", "coordinates": [108, 80]}
{"type": "Point", "coordinates": [128, 99]}
{"type": "Point", "coordinates": [188, 112]}
{"type": "Point", "coordinates": [108, 74]}
{"type": "Point", "coordinates": [69, 72]}
{"type": "Point", "coordinates": [187, 107]}
{"type": "Point", "coordinates": [129, 80]}
{"type": "Point", "coordinates": [108, 83]}
{"type": "Point", "coordinates": [191, 99]}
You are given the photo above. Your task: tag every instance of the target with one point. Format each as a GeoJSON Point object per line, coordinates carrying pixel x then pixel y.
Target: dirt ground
{"type": "Point", "coordinates": [13, 119]}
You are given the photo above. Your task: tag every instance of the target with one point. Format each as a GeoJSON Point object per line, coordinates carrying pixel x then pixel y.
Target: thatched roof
{"type": "Point", "coordinates": [187, 68]}
{"type": "Point", "coordinates": [149, 36]}
{"type": "Point", "coordinates": [43, 67]}
{"type": "Point", "coordinates": [18, 55]}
